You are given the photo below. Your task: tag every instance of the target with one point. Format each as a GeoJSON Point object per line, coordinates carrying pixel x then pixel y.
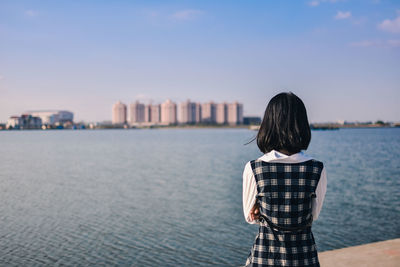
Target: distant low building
{"type": "Point", "coordinates": [25, 121]}
{"type": "Point", "coordinates": [30, 122]}
{"type": "Point", "coordinates": [52, 117]}
{"type": "Point", "coordinates": [13, 122]}
{"type": "Point", "coordinates": [251, 120]}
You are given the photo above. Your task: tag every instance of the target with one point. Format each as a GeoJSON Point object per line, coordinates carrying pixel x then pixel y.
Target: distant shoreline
{"type": "Point", "coordinates": [337, 126]}
{"type": "Point", "coordinates": [314, 127]}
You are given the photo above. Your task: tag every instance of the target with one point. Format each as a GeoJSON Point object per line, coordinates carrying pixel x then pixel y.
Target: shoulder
{"type": "Point", "coordinates": [250, 164]}
{"type": "Point", "coordinates": [252, 168]}
{"type": "Point", "coordinates": [248, 168]}
{"type": "Point", "coordinates": [248, 174]}
{"type": "Point", "coordinates": [316, 167]}
{"type": "Point", "coordinates": [310, 160]}
{"type": "Point", "coordinates": [312, 164]}
{"type": "Point", "coordinates": [317, 163]}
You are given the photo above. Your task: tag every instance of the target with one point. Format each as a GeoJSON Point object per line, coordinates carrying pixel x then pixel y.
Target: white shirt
{"type": "Point", "coordinates": [250, 185]}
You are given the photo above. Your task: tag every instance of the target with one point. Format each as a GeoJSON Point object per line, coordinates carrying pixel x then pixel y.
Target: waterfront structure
{"type": "Point", "coordinates": [25, 121]}
{"type": "Point", "coordinates": [13, 122]}
{"type": "Point", "coordinates": [187, 113]}
{"type": "Point", "coordinates": [222, 113]}
{"type": "Point", "coordinates": [155, 114]}
{"type": "Point", "coordinates": [252, 121]}
{"type": "Point", "coordinates": [30, 122]}
{"type": "Point", "coordinates": [168, 112]}
{"type": "Point", "coordinates": [119, 113]}
{"type": "Point", "coordinates": [235, 113]}
{"type": "Point", "coordinates": [136, 112]}
{"type": "Point", "coordinates": [52, 117]}
{"type": "Point", "coordinates": [208, 112]}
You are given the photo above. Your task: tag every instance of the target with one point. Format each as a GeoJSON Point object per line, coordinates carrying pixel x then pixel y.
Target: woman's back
{"type": "Point", "coordinates": [285, 191]}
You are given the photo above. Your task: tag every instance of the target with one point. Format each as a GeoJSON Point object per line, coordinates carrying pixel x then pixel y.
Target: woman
{"type": "Point", "coordinates": [283, 191]}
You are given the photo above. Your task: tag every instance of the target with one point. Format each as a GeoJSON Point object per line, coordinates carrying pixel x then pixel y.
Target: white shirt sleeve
{"type": "Point", "coordinates": [320, 195]}
{"type": "Point", "coordinates": [249, 192]}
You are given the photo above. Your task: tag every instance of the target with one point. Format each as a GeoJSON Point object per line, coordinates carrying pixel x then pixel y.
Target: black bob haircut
{"type": "Point", "coordinates": [285, 125]}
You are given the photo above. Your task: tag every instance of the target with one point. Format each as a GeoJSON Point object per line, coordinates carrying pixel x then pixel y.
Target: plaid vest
{"type": "Point", "coordinates": [285, 191]}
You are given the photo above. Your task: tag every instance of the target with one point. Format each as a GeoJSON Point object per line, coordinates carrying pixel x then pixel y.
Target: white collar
{"type": "Point", "coordinates": [276, 156]}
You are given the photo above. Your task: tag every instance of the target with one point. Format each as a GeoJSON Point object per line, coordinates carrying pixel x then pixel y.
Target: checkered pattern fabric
{"type": "Point", "coordinates": [285, 191]}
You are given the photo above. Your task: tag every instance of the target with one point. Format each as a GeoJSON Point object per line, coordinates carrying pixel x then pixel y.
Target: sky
{"type": "Point", "coordinates": [342, 58]}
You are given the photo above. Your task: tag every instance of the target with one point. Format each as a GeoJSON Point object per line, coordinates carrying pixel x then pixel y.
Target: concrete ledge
{"type": "Point", "coordinates": [385, 253]}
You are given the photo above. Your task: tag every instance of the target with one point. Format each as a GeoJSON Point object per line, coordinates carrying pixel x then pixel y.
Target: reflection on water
{"type": "Point", "coordinates": [173, 197]}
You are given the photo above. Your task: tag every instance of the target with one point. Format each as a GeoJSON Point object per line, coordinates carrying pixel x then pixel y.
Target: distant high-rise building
{"type": "Point", "coordinates": [197, 118]}
{"type": "Point", "coordinates": [147, 113]}
{"type": "Point", "coordinates": [208, 112]}
{"type": "Point", "coordinates": [222, 113]}
{"type": "Point", "coordinates": [119, 113]}
{"type": "Point", "coordinates": [187, 112]}
{"type": "Point", "coordinates": [235, 113]}
{"type": "Point", "coordinates": [136, 112]}
{"type": "Point", "coordinates": [184, 114]}
{"type": "Point", "coordinates": [155, 114]}
{"type": "Point", "coordinates": [168, 112]}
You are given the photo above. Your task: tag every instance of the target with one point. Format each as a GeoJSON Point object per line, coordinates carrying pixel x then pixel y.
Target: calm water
{"type": "Point", "coordinates": [173, 197]}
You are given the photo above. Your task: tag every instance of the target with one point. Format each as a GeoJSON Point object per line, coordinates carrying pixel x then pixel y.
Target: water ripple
{"type": "Point", "coordinates": [173, 197]}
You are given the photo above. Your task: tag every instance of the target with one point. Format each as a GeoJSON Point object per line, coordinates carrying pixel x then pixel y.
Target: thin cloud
{"type": "Point", "coordinates": [343, 15]}
{"type": "Point", "coordinates": [360, 21]}
{"type": "Point", "coordinates": [1, 77]}
{"type": "Point", "coordinates": [31, 13]}
{"type": "Point", "coordinates": [393, 43]}
{"type": "Point", "coordinates": [392, 26]}
{"type": "Point", "coordinates": [187, 14]}
{"type": "Point", "coordinates": [141, 96]}
{"type": "Point", "coordinates": [144, 98]}
{"type": "Point", "coordinates": [366, 43]}
{"type": "Point", "coordinates": [313, 3]}
{"type": "Point", "coordinates": [376, 43]}
{"type": "Point", "coordinates": [153, 14]}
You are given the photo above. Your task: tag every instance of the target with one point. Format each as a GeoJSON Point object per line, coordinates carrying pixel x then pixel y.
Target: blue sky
{"type": "Point", "coordinates": [341, 57]}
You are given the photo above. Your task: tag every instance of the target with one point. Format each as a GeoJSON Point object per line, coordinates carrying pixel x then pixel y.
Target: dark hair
{"type": "Point", "coordinates": [285, 125]}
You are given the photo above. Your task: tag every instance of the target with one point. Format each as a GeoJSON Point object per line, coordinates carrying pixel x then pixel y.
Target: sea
{"type": "Point", "coordinates": [173, 197]}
